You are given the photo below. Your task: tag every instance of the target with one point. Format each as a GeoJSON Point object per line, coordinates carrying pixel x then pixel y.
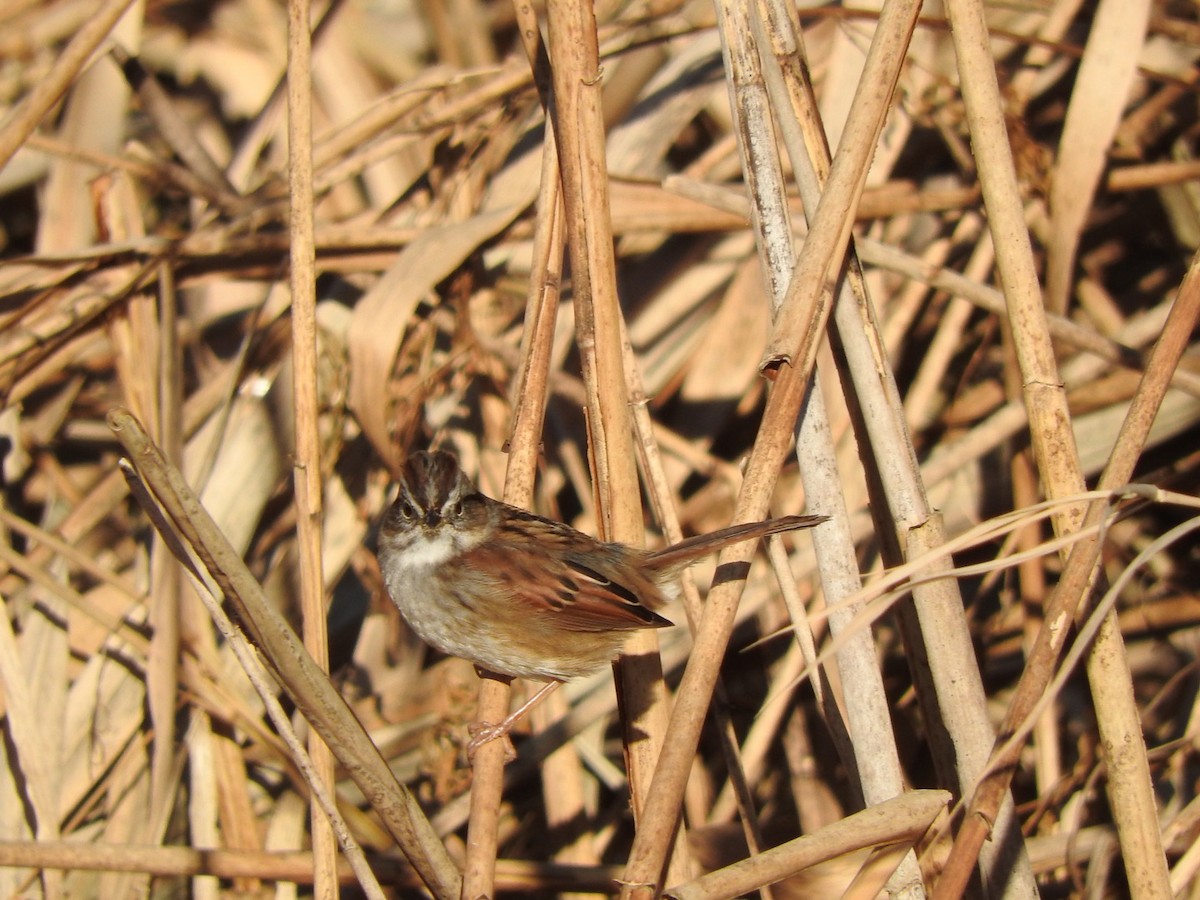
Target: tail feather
{"type": "Point", "coordinates": [680, 556]}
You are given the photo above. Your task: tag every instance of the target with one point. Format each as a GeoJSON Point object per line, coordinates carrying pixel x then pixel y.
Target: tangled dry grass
{"type": "Point", "coordinates": [224, 326]}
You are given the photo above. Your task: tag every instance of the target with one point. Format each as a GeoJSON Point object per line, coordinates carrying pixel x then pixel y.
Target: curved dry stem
{"type": "Point", "coordinates": [305, 683]}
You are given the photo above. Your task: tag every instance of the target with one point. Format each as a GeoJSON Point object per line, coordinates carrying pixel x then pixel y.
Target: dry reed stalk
{"type": "Point", "coordinates": [579, 133]}
{"type": "Point", "coordinates": [1053, 442]}
{"type": "Point", "coordinates": [660, 494]}
{"type": "Point", "coordinates": [563, 780]}
{"type": "Point", "coordinates": [307, 471]}
{"type": "Point", "coordinates": [876, 764]}
{"type": "Point", "coordinates": [873, 755]}
{"type": "Point", "coordinates": [1076, 576]}
{"type": "Point", "coordinates": [494, 693]}
{"type": "Point", "coordinates": [22, 121]}
{"type": "Point", "coordinates": [307, 685]}
{"type": "Point", "coordinates": [310, 769]}
{"type": "Point", "coordinates": [295, 866]}
{"type": "Point", "coordinates": [805, 309]}
{"type": "Point", "coordinates": [899, 821]}
{"type": "Point", "coordinates": [650, 846]}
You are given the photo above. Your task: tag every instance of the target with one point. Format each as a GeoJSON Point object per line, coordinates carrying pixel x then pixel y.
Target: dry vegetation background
{"type": "Point", "coordinates": [149, 262]}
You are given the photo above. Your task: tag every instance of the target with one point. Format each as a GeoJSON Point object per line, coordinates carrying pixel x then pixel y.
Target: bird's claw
{"type": "Point", "coordinates": [486, 732]}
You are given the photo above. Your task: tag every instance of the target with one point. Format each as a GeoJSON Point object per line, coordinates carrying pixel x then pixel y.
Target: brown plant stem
{"type": "Point", "coordinates": [286, 865]}
{"type": "Point", "coordinates": [1076, 578]}
{"type": "Point", "coordinates": [307, 470]}
{"type": "Point", "coordinates": [47, 91]}
{"type": "Point", "coordinates": [305, 683]}
{"type": "Point", "coordinates": [1130, 790]}
{"type": "Point", "coordinates": [579, 130]}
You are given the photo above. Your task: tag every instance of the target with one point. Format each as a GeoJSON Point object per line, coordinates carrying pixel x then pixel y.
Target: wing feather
{"type": "Point", "coordinates": [574, 591]}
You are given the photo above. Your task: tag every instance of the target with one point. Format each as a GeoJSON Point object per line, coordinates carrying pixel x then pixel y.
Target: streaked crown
{"type": "Point", "coordinates": [432, 488]}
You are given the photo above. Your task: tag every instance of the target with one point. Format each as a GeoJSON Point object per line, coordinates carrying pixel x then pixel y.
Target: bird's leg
{"type": "Point", "coordinates": [482, 732]}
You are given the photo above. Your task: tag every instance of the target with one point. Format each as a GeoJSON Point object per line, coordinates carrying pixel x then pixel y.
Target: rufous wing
{"type": "Point", "coordinates": [578, 591]}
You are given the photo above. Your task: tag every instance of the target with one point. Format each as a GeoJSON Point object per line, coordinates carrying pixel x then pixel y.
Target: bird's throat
{"type": "Point", "coordinates": [431, 549]}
